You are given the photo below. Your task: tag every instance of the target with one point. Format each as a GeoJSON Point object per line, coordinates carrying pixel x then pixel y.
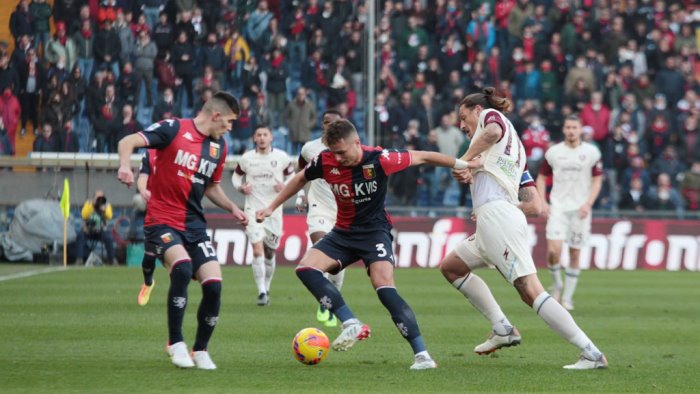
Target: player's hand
{"type": "Point", "coordinates": [146, 195]}
{"type": "Point", "coordinates": [279, 186]}
{"type": "Point", "coordinates": [240, 215]}
{"type": "Point", "coordinates": [247, 189]}
{"type": "Point", "coordinates": [545, 210]}
{"type": "Point", "coordinates": [473, 217]}
{"type": "Point", "coordinates": [125, 175]}
{"type": "Point", "coordinates": [302, 203]}
{"type": "Point", "coordinates": [262, 214]}
{"type": "Point", "coordinates": [584, 210]}
{"type": "Point", "coordinates": [476, 162]}
{"type": "Point", "coordinates": [462, 176]}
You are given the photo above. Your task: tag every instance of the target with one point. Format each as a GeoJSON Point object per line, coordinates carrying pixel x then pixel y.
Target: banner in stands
{"type": "Point", "coordinates": [670, 245]}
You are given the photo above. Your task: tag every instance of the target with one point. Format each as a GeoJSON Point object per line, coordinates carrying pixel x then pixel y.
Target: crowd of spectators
{"type": "Point", "coordinates": [629, 68]}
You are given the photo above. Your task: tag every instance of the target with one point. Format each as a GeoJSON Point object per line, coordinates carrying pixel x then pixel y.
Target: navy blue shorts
{"type": "Point", "coordinates": [347, 248]}
{"type": "Point", "coordinates": [160, 238]}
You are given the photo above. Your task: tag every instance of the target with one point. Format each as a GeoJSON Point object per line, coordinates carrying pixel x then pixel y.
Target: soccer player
{"type": "Point", "coordinates": [358, 177]}
{"type": "Point", "coordinates": [578, 177]}
{"type": "Point", "coordinates": [501, 231]}
{"type": "Point", "coordinates": [265, 170]}
{"type": "Point", "coordinates": [321, 207]}
{"type": "Point", "coordinates": [189, 161]}
{"type": "Point", "coordinates": [148, 263]}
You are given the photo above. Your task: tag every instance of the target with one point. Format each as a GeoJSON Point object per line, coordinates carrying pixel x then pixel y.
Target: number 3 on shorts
{"type": "Point", "coordinates": [207, 249]}
{"type": "Point", "coordinates": [381, 251]}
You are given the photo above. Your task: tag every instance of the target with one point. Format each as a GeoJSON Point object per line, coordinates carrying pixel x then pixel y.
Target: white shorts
{"type": "Point", "coordinates": [567, 226]}
{"type": "Point", "coordinates": [500, 241]}
{"type": "Point", "coordinates": [269, 231]}
{"type": "Point", "coordinates": [319, 220]}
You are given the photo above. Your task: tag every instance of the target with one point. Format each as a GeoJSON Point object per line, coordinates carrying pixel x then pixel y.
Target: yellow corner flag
{"type": "Point", "coordinates": [65, 209]}
{"type": "Point", "coordinates": [65, 199]}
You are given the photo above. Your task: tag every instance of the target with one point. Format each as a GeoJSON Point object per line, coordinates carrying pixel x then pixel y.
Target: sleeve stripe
{"type": "Point", "coordinates": [239, 170]}
{"type": "Point", "coordinates": [142, 135]}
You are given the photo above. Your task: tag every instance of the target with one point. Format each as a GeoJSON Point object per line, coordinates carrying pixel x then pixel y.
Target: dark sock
{"type": "Point", "coordinates": [180, 277]}
{"type": "Point", "coordinates": [324, 291]}
{"type": "Point", "coordinates": [148, 266]}
{"type": "Point", "coordinates": [403, 317]}
{"type": "Point", "coordinates": [207, 314]}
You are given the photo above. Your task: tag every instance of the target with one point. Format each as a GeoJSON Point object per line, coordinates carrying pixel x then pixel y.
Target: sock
{"type": "Point", "coordinates": [180, 276]}
{"type": "Point", "coordinates": [478, 293]}
{"type": "Point", "coordinates": [560, 320]}
{"type": "Point", "coordinates": [326, 294]}
{"type": "Point", "coordinates": [556, 276]}
{"type": "Point", "coordinates": [259, 273]}
{"type": "Point", "coordinates": [570, 282]}
{"type": "Point", "coordinates": [208, 313]}
{"type": "Point", "coordinates": [337, 279]}
{"type": "Point", "coordinates": [148, 265]}
{"type": "Point", "coordinates": [269, 272]}
{"type": "Point", "coordinates": [403, 317]}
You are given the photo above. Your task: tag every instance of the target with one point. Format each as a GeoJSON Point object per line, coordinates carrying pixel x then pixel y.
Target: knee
{"type": "Point", "coordinates": [182, 272]}
{"type": "Point", "coordinates": [212, 290]}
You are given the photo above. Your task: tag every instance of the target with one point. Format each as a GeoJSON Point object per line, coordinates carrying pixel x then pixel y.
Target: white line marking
{"type": "Point", "coordinates": [27, 274]}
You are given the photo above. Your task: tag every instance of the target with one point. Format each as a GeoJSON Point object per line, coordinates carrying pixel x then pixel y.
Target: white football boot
{"type": "Point", "coordinates": [495, 342]}
{"type": "Point", "coordinates": [179, 355]}
{"type": "Point", "coordinates": [352, 332]}
{"type": "Point", "coordinates": [586, 363]}
{"type": "Point", "coordinates": [202, 360]}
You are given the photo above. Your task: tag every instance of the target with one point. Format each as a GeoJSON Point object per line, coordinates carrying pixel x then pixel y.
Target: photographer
{"type": "Point", "coordinates": [96, 215]}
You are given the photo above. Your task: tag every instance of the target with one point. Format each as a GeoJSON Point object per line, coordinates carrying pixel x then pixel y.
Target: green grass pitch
{"type": "Point", "coordinates": [81, 331]}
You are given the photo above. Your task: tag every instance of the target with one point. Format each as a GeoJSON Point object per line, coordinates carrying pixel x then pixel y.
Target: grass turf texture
{"type": "Point", "coordinates": [81, 331]}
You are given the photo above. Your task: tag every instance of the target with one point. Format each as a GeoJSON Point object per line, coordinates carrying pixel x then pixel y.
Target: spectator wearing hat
{"type": "Point", "coordinates": [144, 53]}
{"type": "Point", "coordinates": [40, 12]}
{"type": "Point", "coordinates": [61, 46]}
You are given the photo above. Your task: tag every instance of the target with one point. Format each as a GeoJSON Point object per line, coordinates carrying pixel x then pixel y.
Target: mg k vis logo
{"type": "Point", "coordinates": [359, 189]}
{"type": "Point", "coordinates": [192, 162]}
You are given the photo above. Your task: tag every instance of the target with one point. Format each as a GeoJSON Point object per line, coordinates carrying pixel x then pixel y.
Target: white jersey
{"type": "Point", "coordinates": [573, 170]}
{"type": "Point", "coordinates": [504, 163]}
{"type": "Point", "coordinates": [320, 194]}
{"type": "Point", "coordinates": [263, 171]}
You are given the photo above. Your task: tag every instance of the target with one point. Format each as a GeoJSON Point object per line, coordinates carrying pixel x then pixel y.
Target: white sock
{"type": "Point", "coordinates": [556, 275]}
{"type": "Point", "coordinates": [337, 279]}
{"type": "Point", "coordinates": [570, 282]}
{"type": "Point", "coordinates": [475, 290]}
{"type": "Point", "coordinates": [560, 320]}
{"type": "Point", "coordinates": [269, 272]}
{"type": "Point", "coordinates": [259, 274]}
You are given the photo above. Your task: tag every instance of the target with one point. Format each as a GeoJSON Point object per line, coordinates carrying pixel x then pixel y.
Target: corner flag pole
{"type": "Point", "coordinates": [65, 210]}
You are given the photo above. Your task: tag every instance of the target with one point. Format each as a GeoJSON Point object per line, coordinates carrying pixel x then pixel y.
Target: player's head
{"type": "Point", "coordinates": [330, 116]}
{"type": "Point", "coordinates": [471, 107]}
{"type": "Point", "coordinates": [342, 139]}
{"type": "Point", "coordinates": [219, 113]}
{"type": "Point", "coordinates": [573, 128]}
{"type": "Point", "coordinates": [262, 138]}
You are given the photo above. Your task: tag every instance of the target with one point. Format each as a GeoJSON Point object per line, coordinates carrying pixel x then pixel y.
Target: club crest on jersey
{"type": "Point", "coordinates": [368, 171]}
{"type": "Point", "coordinates": [167, 238]}
{"type": "Point", "coordinates": [214, 149]}
{"type": "Point", "coordinates": [273, 163]}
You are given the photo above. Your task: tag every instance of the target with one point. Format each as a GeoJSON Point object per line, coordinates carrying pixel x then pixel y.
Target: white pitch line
{"type": "Point", "coordinates": [27, 274]}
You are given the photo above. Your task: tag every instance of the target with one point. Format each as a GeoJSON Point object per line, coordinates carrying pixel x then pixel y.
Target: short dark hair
{"type": "Point", "coordinates": [222, 99]}
{"type": "Point", "coordinates": [338, 130]}
{"type": "Point", "coordinates": [331, 112]}
{"type": "Point", "coordinates": [573, 117]}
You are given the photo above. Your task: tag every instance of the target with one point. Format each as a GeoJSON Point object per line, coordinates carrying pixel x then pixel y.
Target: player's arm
{"type": "Point", "coordinates": [596, 185]}
{"type": "Point", "coordinates": [530, 201]}
{"type": "Point", "coordinates": [237, 181]}
{"type": "Point", "coordinates": [295, 184]}
{"type": "Point", "coordinates": [215, 193]}
{"type": "Point", "coordinates": [127, 145]}
{"type": "Point", "coordinates": [419, 157]}
{"type": "Point", "coordinates": [484, 140]}
{"type": "Point", "coordinates": [541, 182]}
{"type": "Point", "coordinates": [141, 186]}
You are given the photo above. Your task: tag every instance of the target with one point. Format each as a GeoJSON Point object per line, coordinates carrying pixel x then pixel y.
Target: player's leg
{"type": "Point", "coordinates": [571, 275]}
{"type": "Point", "coordinates": [273, 232]}
{"type": "Point", "coordinates": [458, 268]}
{"type": "Point", "coordinates": [256, 233]}
{"type": "Point", "coordinates": [179, 266]}
{"type": "Point", "coordinates": [556, 232]}
{"type": "Point", "coordinates": [209, 277]}
{"type": "Point", "coordinates": [315, 223]}
{"type": "Point", "coordinates": [560, 321]}
{"type": "Point", "coordinates": [148, 266]}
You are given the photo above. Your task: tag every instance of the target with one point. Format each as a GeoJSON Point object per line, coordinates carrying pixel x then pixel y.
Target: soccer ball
{"type": "Point", "coordinates": [310, 346]}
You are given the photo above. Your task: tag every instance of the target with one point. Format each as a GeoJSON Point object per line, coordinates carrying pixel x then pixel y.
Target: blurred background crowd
{"type": "Point", "coordinates": [81, 74]}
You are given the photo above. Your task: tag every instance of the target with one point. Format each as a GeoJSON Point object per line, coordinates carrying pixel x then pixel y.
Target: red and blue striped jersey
{"type": "Point", "coordinates": [360, 190]}
{"type": "Point", "coordinates": [185, 164]}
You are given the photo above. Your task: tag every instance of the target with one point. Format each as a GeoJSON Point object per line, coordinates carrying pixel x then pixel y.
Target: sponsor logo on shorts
{"type": "Point", "coordinates": [167, 238]}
